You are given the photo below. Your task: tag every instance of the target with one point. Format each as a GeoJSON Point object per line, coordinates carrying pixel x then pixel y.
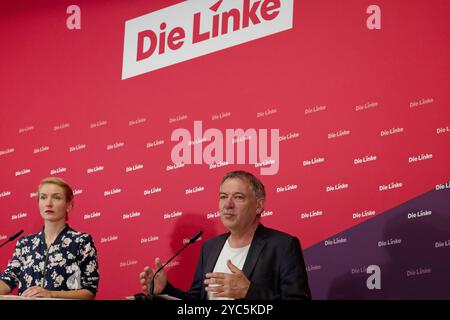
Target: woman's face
{"type": "Point", "coordinates": [53, 205]}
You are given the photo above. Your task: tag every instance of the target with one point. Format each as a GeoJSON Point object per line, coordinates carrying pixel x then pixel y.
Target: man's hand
{"type": "Point", "coordinates": [234, 285]}
{"type": "Point", "coordinates": [36, 291]}
{"type": "Point", "coordinates": [160, 280]}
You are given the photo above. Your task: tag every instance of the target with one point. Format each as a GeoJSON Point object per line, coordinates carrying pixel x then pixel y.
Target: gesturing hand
{"type": "Point", "coordinates": [234, 285]}
{"type": "Point", "coordinates": [160, 280]}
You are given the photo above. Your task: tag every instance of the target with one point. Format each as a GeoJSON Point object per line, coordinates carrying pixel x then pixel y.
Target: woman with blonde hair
{"type": "Point", "coordinates": [57, 261]}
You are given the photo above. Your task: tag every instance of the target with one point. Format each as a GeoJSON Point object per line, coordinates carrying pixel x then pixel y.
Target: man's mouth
{"type": "Point", "coordinates": [228, 214]}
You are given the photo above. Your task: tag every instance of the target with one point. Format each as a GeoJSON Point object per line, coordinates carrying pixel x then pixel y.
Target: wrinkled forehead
{"type": "Point", "coordinates": [233, 185]}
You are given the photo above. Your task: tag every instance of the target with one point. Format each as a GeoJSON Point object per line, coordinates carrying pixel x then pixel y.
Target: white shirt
{"type": "Point", "coordinates": [237, 257]}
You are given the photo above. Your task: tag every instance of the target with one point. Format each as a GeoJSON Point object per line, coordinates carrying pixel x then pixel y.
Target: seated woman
{"type": "Point", "coordinates": [57, 261]}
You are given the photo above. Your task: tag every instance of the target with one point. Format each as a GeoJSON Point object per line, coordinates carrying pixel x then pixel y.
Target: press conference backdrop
{"type": "Point", "coordinates": [343, 109]}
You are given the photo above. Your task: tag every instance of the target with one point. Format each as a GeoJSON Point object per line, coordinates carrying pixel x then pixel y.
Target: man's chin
{"type": "Point", "coordinates": [227, 223]}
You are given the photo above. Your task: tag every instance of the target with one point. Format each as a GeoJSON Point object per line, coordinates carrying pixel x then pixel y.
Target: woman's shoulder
{"type": "Point", "coordinates": [30, 238]}
{"type": "Point", "coordinates": [78, 236]}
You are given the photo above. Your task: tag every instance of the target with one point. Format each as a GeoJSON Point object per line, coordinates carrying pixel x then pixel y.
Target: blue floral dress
{"type": "Point", "coordinates": [70, 263]}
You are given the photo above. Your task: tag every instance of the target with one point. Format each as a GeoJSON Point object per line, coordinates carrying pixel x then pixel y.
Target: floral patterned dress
{"type": "Point", "coordinates": [70, 263]}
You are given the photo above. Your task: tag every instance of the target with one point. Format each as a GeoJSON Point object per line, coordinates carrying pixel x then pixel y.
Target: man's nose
{"type": "Point", "coordinates": [229, 203]}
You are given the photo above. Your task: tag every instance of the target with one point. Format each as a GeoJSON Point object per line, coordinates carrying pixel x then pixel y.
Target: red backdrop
{"type": "Point", "coordinates": [64, 110]}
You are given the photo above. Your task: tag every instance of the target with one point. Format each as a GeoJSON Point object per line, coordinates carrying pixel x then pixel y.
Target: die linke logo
{"type": "Point", "coordinates": [195, 28]}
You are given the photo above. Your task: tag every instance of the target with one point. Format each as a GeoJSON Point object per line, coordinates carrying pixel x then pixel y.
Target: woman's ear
{"type": "Point", "coordinates": [70, 207]}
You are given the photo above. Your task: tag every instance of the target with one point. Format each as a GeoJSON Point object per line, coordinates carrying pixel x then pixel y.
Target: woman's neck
{"type": "Point", "coordinates": [52, 230]}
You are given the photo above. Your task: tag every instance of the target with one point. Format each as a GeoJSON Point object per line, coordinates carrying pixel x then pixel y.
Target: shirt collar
{"type": "Point", "coordinates": [58, 238]}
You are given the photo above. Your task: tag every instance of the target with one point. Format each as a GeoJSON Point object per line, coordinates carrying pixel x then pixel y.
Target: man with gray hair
{"type": "Point", "coordinates": [250, 261]}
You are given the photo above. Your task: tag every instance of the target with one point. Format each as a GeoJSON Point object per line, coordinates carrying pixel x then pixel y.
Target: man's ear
{"type": "Point", "coordinates": [260, 205]}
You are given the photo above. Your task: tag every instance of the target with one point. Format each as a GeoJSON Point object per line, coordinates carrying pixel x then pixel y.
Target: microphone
{"type": "Point", "coordinates": [194, 238]}
{"type": "Point", "coordinates": [12, 238]}
{"type": "Point", "coordinates": [150, 295]}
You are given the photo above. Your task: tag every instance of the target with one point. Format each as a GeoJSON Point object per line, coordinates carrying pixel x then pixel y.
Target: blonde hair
{"type": "Point", "coordinates": [68, 192]}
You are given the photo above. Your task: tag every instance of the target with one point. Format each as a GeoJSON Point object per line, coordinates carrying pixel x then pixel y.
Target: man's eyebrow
{"type": "Point", "coordinates": [234, 194]}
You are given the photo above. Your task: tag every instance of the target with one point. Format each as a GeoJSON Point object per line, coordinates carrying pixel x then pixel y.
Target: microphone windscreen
{"type": "Point", "coordinates": [15, 235]}
{"type": "Point", "coordinates": [194, 238]}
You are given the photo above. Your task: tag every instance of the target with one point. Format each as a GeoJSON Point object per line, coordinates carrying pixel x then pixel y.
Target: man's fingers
{"type": "Point", "coordinates": [214, 289]}
{"type": "Point", "coordinates": [232, 267]}
{"type": "Point", "coordinates": [148, 273]}
{"type": "Point", "coordinates": [218, 292]}
{"type": "Point", "coordinates": [220, 275]}
{"type": "Point", "coordinates": [215, 281]}
{"type": "Point", "coordinates": [158, 263]}
{"type": "Point", "coordinates": [221, 294]}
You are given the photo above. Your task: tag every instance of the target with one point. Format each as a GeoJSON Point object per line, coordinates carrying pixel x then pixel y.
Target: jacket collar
{"type": "Point", "coordinates": [258, 243]}
{"type": "Point", "coordinates": [256, 246]}
{"type": "Point", "coordinates": [58, 238]}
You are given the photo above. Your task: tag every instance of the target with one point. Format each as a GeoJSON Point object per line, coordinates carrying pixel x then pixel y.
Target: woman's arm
{"type": "Point", "coordinates": [4, 288]}
{"type": "Point", "coordinates": [83, 294]}
{"type": "Point", "coordinates": [36, 291]}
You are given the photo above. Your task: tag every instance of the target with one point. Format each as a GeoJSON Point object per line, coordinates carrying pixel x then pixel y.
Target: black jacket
{"type": "Point", "coordinates": [274, 266]}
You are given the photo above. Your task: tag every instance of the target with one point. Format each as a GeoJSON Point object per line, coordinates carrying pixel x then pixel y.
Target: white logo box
{"type": "Point", "coordinates": [257, 19]}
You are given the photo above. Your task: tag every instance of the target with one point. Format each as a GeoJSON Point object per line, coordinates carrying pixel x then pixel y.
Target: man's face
{"type": "Point", "coordinates": [238, 205]}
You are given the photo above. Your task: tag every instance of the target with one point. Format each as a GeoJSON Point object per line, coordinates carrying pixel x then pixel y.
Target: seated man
{"type": "Point", "coordinates": [250, 261]}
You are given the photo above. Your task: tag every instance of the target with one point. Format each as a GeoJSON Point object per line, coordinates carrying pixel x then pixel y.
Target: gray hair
{"type": "Point", "coordinates": [255, 183]}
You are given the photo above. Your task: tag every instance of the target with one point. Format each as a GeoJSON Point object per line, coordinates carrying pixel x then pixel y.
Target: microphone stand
{"type": "Point", "coordinates": [150, 295]}
{"type": "Point", "coordinates": [1, 245]}
{"type": "Point", "coordinates": [12, 238]}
